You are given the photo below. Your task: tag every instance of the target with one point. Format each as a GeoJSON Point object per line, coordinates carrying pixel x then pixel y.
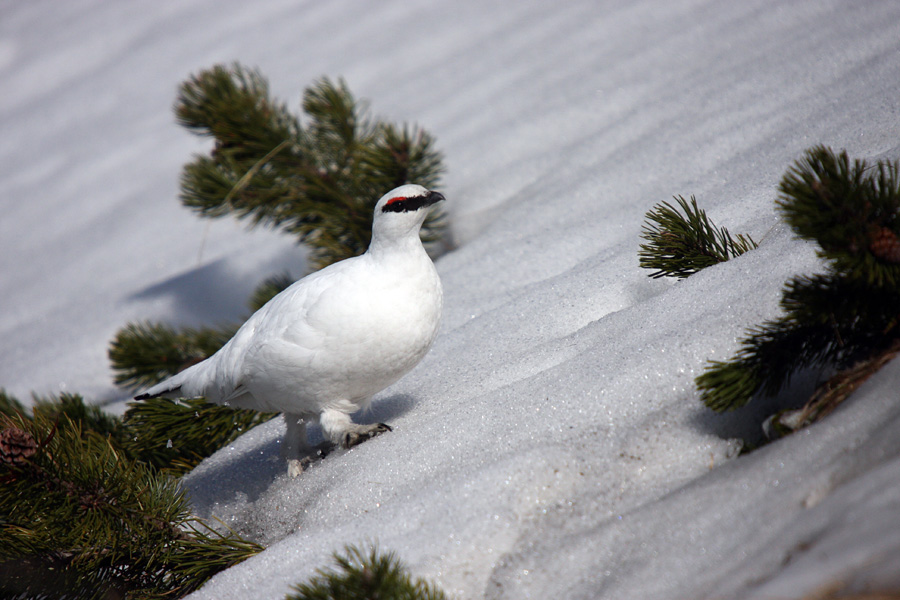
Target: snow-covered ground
{"type": "Point", "coordinates": [552, 444]}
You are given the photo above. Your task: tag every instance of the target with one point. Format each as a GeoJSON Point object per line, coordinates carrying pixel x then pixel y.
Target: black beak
{"type": "Point", "coordinates": [433, 198]}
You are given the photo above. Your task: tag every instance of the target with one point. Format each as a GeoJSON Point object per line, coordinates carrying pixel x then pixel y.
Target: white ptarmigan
{"type": "Point", "coordinates": [322, 347]}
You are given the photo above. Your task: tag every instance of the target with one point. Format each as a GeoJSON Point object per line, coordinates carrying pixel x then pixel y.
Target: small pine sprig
{"type": "Point", "coordinates": [361, 576]}
{"type": "Point", "coordinates": [175, 436]}
{"type": "Point", "coordinates": [89, 417]}
{"type": "Point", "coordinates": [319, 182]}
{"type": "Point", "coordinates": [851, 209]}
{"type": "Point", "coordinates": [168, 436]}
{"type": "Point", "coordinates": [64, 409]}
{"type": "Point", "coordinates": [233, 107]}
{"type": "Point", "coordinates": [79, 519]}
{"type": "Point", "coordinates": [681, 243]}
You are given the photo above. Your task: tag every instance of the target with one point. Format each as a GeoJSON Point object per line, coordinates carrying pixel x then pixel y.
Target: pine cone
{"type": "Point", "coordinates": [885, 245]}
{"type": "Point", "coordinates": [16, 445]}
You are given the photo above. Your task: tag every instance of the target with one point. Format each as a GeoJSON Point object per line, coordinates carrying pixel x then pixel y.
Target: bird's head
{"type": "Point", "coordinates": [400, 213]}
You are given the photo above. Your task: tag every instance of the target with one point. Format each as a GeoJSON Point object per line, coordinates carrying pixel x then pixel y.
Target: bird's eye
{"type": "Point", "coordinates": [396, 204]}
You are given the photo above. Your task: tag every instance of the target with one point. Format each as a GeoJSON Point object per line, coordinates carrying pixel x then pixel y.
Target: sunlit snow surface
{"type": "Point", "coordinates": [552, 444]}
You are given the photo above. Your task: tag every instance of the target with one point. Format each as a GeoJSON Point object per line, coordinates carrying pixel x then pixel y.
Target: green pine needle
{"type": "Point", "coordinates": [843, 206]}
{"type": "Point", "coordinates": [89, 417]}
{"type": "Point", "coordinates": [64, 409]}
{"type": "Point", "coordinates": [176, 435]}
{"type": "Point", "coordinates": [10, 405]}
{"type": "Point", "coordinates": [362, 576]}
{"type": "Point", "coordinates": [764, 364]}
{"type": "Point", "coordinates": [232, 106]}
{"type": "Point", "coordinates": [679, 245]}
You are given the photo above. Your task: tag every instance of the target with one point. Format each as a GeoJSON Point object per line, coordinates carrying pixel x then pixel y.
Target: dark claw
{"type": "Point", "coordinates": [324, 449]}
{"type": "Point", "coordinates": [354, 438]}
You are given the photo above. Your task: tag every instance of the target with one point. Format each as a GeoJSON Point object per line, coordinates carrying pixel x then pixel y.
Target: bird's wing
{"type": "Point", "coordinates": [274, 343]}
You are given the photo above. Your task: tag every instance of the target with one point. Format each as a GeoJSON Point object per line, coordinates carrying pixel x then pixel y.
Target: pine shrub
{"type": "Point", "coordinates": [80, 519]}
{"type": "Point", "coordinates": [843, 317]}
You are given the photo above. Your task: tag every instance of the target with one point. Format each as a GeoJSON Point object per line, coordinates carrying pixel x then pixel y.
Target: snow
{"type": "Point", "coordinates": [552, 443]}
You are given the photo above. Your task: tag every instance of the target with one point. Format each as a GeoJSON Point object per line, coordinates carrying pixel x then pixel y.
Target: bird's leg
{"type": "Point", "coordinates": [338, 427]}
{"type": "Point", "coordinates": [295, 449]}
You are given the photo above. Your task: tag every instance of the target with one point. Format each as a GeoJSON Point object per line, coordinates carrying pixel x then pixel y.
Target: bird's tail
{"type": "Point", "coordinates": [190, 383]}
{"type": "Point", "coordinates": [160, 390]}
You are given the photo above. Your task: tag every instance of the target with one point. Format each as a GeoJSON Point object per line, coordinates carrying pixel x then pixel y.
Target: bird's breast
{"type": "Point", "coordinates": [364, 333]}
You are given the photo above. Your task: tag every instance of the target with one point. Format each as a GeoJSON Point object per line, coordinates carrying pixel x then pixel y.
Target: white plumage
{"type": "Point", "coordinates": [321, 348]}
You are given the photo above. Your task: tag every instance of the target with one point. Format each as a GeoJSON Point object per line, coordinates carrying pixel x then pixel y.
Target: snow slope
{"type": "Point", "coordinates": [551, 444]}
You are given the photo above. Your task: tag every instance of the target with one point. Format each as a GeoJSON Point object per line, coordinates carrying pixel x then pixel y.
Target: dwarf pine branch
{"type": "Point", "coordinates": [846, 316]}
{"type": "Point", "coordinates": [681, 243]}
{"type": "Point", "coordinates": [318, 182]}
{"type": "Point", "coordinates": [361, 576]}
{"type": "Point", "coordinates": [80, 519]}
{"type": "Point", "coordinates": [89, 417]}
{"type": "Point", "coordinates": [66, 408]}
{"type": "Point", "coordinates": [175, 436]}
